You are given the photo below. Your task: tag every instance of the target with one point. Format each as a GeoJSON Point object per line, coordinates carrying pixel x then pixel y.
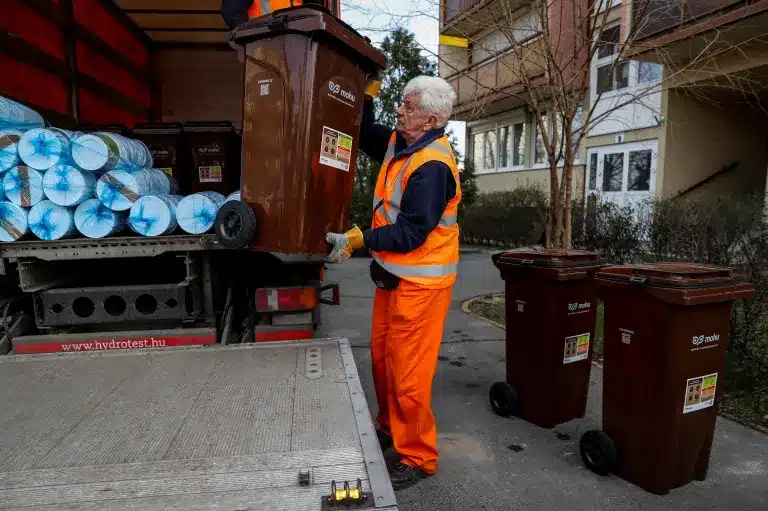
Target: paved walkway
{"type": "Point", "coordinates": [478, 470]}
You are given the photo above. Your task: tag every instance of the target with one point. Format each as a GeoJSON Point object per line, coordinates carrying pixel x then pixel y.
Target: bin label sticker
{"type": "Point", "coordinates": [336, 149]}
{"type": "Point", "coordinates": [520, 305]}
{"type": "Point", "coordinates": [210, 174]}
{"type": "Point", "coordinates": [576, 348]}
{"type": "Point", "coordinates": [700, 393]}
{"type": "Point", "coordinates": [264, 87]}
{"type": "Point", "coordinates": [626, 335]}
{"type": "Point", "coordinates": [168, 171]}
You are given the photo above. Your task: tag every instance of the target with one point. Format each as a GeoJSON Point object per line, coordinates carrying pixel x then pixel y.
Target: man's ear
{"type": "Point", "coordinates": [432, 122]}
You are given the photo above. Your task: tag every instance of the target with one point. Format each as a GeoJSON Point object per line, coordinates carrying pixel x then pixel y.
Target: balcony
{"type": "Point", "coordinates": [467, 17]}
{"type": "Point", "coordinates": [676, 31]}
{"type": "Point", "coordinates": [490, 85]}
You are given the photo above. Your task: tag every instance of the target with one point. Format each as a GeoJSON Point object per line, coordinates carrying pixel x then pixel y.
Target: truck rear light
{"type": "Point", "coordinates": [286, 299]}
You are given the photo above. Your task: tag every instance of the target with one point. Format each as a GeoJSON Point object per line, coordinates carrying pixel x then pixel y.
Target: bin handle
{"type": "Point", "coordinates": [638, 280]}
{"type": "Point", "coordinates": [527, 262]}
{"type": "Point", "coordinates": [276, 23]}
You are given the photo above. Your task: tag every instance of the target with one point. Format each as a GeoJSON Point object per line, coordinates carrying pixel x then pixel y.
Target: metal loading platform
{"type": "Point", "coordinates": [266, 426]}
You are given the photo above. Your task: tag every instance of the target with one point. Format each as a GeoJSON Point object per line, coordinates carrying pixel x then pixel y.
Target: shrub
{"type": "Point", "coordinates": [515, 218]}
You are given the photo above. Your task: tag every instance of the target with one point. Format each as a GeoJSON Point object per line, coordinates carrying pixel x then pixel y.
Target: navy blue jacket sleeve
{"type": "Point", "coordinates": [426, 195]}
{"type": "Point", "coordinates": [374, 138]}
{"type": "Point", "coordinates": [235, 12]}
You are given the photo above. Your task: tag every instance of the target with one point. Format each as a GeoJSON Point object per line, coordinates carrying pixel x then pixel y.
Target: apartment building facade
{"type": "Point", "coordinates": [647, 121]}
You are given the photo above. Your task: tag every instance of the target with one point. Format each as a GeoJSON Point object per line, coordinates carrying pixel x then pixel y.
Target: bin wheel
{"type": "Point", "coordinates": [599, 452]}
{"type": "Point", "coordinates": [235, 224]}
{"type": "Point", "coordinates": [504, 399]}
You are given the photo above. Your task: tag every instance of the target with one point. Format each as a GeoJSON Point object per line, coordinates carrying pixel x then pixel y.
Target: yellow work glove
{"type": "Point", "coordinates": [344, 244]}
{"type": "Point", "coordinates": [374, 84]}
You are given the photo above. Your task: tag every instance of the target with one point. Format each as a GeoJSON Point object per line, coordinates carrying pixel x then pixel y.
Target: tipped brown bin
{"type": "Point", "coordinates": [305, 79]}
{"type": "Point", "coordinates": [551, 307]}
{"type": "Point", "coordinates": [666, 334]}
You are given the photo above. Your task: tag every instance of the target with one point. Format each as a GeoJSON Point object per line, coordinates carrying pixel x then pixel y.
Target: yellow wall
{"type": "Point", "coordinates": [702, 138]}
{"type": "Point", "coordinates": [504, 181]}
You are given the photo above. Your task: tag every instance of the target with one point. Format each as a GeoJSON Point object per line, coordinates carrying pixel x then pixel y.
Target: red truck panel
{"type": "Point", "coordinates": [29, 84]}
{"type": "Point", "coordinates": [93, 16]}
{"type": "Point", "coordinates": [98, 66]}
{"type": "Point", "coordinates": [23, 22]}
{"type": "Point", "coordinates": [95, 110]}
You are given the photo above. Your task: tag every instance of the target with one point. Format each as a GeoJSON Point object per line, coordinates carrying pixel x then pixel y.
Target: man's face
{"type": "Point", "coordinates": [412, 122]}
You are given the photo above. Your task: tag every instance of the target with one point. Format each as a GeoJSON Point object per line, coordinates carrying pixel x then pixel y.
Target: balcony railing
{"type": "Point", "coordinates": [653, 17]}
{"type": "Point", "coordinates": [489, 78]}
{"type": "Point", "coordinates": [452, 8]}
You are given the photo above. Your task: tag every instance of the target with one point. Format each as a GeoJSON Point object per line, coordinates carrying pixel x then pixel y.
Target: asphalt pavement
{"type": "Point", "coordinates": [491, 463]}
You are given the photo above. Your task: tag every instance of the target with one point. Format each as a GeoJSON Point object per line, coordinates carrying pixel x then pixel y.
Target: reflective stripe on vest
{"type": "Point", "coordinates": [262, 7]}
{"type": "Point", "coordinates": [397, 194]}
{"type": "Point", "coordinates": [402, 270]}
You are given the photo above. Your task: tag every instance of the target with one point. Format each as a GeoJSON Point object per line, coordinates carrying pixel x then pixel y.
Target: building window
{"type": "Point", "coordinates": [613, 76]}
{"type": "Point", "coordinates": [639, 178]}
{"type": "Point", "coordinates": [539, 150]}
{"type": "Point", "coordinates": [512, 146]}
{"type": "Point", "coordinates": [592, 172]}
{"type": "Point", "coordinates": [648, 72]}
{"type": "Point", "coordinates": [608, 42]}
{"type": "Point", "coordinates": [484, 151]}
{"type": "Point", "coordinates": [554, 127]}
{"type": "Point", "coordinates": [613, 172]}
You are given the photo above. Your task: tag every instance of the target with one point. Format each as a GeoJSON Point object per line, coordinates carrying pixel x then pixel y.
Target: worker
{"type": "Point", "coordinates": [237, 12]}
{"type": "Point", "coordinates": [414, 239]}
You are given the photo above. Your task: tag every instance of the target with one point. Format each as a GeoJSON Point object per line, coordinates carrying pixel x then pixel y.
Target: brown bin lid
{"type": "Point", "coordinates": [683, 283]}
{"type": "Point", "coordinates": [558, 264]}
{"type": "Point", "coordinates": [165, 128]}
{"type": "Point", "coordinates": [307, 19]}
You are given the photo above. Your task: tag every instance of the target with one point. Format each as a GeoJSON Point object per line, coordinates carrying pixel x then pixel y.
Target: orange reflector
{"type": "Point", "coordinates": [286, 299]}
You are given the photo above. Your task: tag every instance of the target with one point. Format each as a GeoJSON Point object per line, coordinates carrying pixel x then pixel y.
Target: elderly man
{"type": "Point", "coordinates": [414, 239]}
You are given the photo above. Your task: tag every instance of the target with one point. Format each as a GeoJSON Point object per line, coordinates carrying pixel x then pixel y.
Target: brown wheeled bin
{"type": "Point", "coordinates": [305, 78]}
{"type": "Point", "coordinates": [166, 144]}
{"type": "Point", "coordinates": [666, 334]}
{"type": "Point", "coordinates": [551, 307]}
{"type": "Point", "coordinates": [214, 156]}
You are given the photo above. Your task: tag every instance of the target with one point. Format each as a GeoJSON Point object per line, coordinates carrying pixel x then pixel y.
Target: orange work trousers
{"type": "Point", "coordinates": [405, 342]}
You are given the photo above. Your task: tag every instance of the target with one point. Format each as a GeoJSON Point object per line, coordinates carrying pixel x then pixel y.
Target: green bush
{"type": "Point", "coordinates": [515, 218]}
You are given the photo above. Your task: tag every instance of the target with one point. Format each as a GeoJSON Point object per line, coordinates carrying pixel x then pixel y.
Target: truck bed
{"type": "Point", "coordinates": [187, 428]}
{"type": "Point", "coordinates": [129, 246]}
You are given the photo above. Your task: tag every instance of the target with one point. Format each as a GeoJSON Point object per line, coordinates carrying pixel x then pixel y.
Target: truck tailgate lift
{"type": "Point", "coordinates": [258, 426]}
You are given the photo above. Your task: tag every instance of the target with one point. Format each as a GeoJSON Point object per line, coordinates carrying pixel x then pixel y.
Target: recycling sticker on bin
{"type": "Point", "coordinates": [576, 348]}
{"type": "Point", "coordinates": [700, 393]}
{"type": "Point", "coordinates": [336, 149]}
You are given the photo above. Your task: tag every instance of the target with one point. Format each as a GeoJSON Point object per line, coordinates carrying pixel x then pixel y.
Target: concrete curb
{"type": "Point", "coordinates": [465, 309]}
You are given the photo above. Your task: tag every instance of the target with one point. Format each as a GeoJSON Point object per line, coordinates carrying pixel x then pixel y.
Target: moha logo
{"type": "Point", "coordinates": [705, 339]}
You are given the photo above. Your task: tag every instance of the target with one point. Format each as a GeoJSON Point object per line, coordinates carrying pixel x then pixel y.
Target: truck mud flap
{"type": "Point", "coordinates": [109, 341]}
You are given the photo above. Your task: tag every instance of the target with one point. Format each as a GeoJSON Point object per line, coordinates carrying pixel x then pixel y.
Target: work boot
{"type": "Point", "coordinates": [404, 476]}
{"type": "Point", "coordinates": [385, 441]}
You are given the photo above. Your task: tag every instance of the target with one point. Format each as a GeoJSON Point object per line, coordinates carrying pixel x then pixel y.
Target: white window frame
{"type": "Point", "coordinates": [535, 135]}
{"type": "Point", "coordinates": [511, 123]}
{"type": "Point", "coordinates": [632, 72]}
{"type": "Point", "coordinates": [625, 149]}
{"type": "Point", "coordinates": [480, 131]}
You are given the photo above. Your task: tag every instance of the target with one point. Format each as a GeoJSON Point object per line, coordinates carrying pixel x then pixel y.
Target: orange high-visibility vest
{"type": "Point", "coordinates": [432, 265]}
{"type": "Point", "coordinates": [261, 7]}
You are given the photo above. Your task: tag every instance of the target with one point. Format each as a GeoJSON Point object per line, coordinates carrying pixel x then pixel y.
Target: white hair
{"type": "Point", "coordinates": [437, 97]}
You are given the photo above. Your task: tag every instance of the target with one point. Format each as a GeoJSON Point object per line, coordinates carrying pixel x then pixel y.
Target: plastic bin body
{"type": "Point", "coordinates": [666, 333]}
{"type": "Point", "coordinates": [165, 141]}
{"type": "Point", "coordinates": [305, 80]}
{"type": "Point", "coordinates": [214, 154]}
{"type": "Point", "coordinates": [551, 308]}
